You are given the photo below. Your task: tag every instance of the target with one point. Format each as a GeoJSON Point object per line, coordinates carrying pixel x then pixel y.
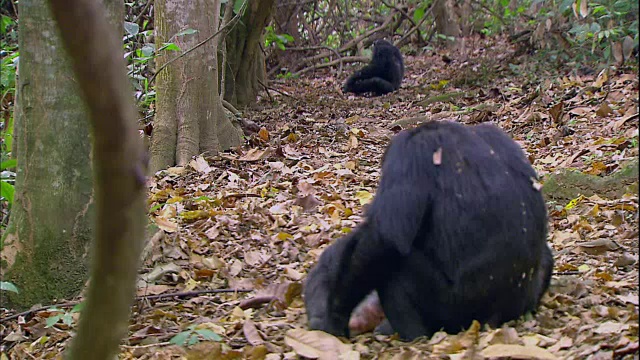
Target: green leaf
{"type": "Point", "coordinates": [5, 22]}
{"type": "Point", "coordinates": [7, 286]}
{"type": "Point", "coordinates": [6, 191]}
{"type": "Point", "coordinates": [418, 15]}
{"type": "Point", "coordinates": [170, 47]}
{"type": "Point", "coordinates": [237, 6]}
{"type": "Point", "coordinates": [193, 339]}
{"type": "Point", "coordinates": [180, 338]}
{"type": "Point", "coordinates": [53, 320]}
{"type": "Point", "coordinates": [11, 163]}
{"type": "Point", "coordinates": [186, 32]}
{"type": "Point", "coordinates": [131, 28]}
{"type": "Point", "coordinates": [79, 307]}
{"type": "Point", "coordinates": [148, 49]}
{"type": "Point", "coordinates": [209, 335]}
{"type": "Point", "coordinates": [67, 319]}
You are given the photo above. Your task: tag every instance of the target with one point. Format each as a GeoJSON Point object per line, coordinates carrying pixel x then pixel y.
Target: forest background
{"type": "Point", "coordinates": [258, 160]}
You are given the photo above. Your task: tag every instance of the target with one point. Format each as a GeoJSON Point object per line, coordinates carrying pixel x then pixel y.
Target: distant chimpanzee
{"type": "Point", "coordinates": [383, 74]}
{"type": "Point", "coordinates": [456, 232]}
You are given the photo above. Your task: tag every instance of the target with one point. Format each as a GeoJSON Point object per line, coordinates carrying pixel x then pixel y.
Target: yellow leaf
{"type": "Point", "coordinates": [284, 236]}
{"type": "Point", "coordinates": [292, 137]}
{"type": "Point", "coordinates": [190, 285]}
{"type": "Point", "coordinates": [574, 202]}
{"type": "Point", "coordinates": [364, 197]}
{"type": "Point", "coordinates": [174, 200]}
{"type": "Point", "coordinates": [263, 134]}
{"type": "Point", "coordinates": [601, 79]}
{"type": "Point", "coordinates": [352, 119]}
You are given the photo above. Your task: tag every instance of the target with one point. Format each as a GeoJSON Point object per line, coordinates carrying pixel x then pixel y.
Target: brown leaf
{"type": "Point", "coordinates": [604, 110]}
{"type": "Point", "coordinates": [602, 78]}
{"type": "Point", "coordinates": [501, 351]}
{"type": "Point", "coordinates": [627, 47]}
{"type": "Point", "coordinates": [200, 164]}
{"type": "Point", "coordinates": [616, 50]}
{"type": "Point", "coordinates": [599, 246]}
{"type": "Point", "coordinates": [255, 155]}
{"type": "Point", "coordinates": [556, 112]}
{"type": "Point", "coordinates": [316, 344]}
{"type": "Point", "coordinates": [166, 224]}
{"type": "Point", "coordinates": [584, 10]}
{"type": "Point", "coordinates": [625, 259]}
{"type": "Point", "coordinates": [308, 203]}
{"type": "Point", "coordinates": [610, 327]}
{"type": "Point", "coordinates": [263, 134]}
{"type": "Point", "coordinates": [251, 333]}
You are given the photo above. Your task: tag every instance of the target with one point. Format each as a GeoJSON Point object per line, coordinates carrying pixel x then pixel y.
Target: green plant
{"type": "Point", "coordinates": [7, 286]}
{"type": "Point", "coordinates": [192, 336]}
{"type": "Point", "coordinates": [65, 316]}
{"type": "Point", "coordinates": [7, 180]}
{"type": "Point", "coordinates": [140, 56]}
{"type": "Point", "coordinates": [280, 40]}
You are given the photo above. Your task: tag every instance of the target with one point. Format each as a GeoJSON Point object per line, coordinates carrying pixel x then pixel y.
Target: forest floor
{"type": "Point", "coordinates": [257, 218]}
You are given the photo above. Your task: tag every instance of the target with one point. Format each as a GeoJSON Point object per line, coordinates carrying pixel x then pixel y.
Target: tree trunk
{"type": "Point", "coordinates": [96, 50]}
{"type": "Point", "coordinates": [190, 118]}
{"type": "Point", "coordinates": [245, 58]}
{"type": "Point", "coordinates": [447, 21]}
{"type": "Point", "coordinates": [46, 245]}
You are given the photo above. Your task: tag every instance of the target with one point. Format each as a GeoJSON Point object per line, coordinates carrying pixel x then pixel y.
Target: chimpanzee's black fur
{"type": "Point", "coordinates": [456, 232]}
{"type": "Point", "coordinates": [383, 74]}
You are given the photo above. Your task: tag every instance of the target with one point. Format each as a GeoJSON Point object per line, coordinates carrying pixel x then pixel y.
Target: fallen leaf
{"type": "Point", "coordinates": [598, 247]}
{"type": "Point", "coordinates": [625, 259]}
{"type": "Point", "coordinates": [364, 197]}
{"type": "Point", "coordinates": [610, 327]}
{"type": "Point", "coordinates": [263, 134]}
{"type": "Point", "coordinates": [316, 344]}
{"type": "Point", "coordinates": [200, 165]}
{"type": "Point", "coordinates": [167, 225]}
{"type": "Point", "coordinates": [251, 333]}
{"type": "Point", "coordinates": [604, 110]}
{"type": "Point", "coordinates": [629, 298]}
{"type": "Point", "coordinates": [517, 352]}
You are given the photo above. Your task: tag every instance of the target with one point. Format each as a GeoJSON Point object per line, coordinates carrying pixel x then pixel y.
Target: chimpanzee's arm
{"type": "Point", "coordinates": [346, 273]}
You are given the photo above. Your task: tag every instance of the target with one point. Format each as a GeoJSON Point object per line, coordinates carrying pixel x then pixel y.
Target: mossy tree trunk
{"type": "Point", "coordinates": [46, 245]}
{"type": "Point", "coordinates": [245, 60]}
{"type": "Point", "coordinates": [190, 118]}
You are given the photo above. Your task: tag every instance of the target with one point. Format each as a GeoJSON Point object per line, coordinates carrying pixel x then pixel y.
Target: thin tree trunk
{"type": "Point", "coordinates": [245, 56]}
{"type": "Point", "coordinates": [95, 47]}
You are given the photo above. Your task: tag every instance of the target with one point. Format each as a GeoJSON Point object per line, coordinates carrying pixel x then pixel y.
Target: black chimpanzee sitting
{"type": "Point", "coordinates": [456, 232]}
{"type": "Point", "coordinates": [383, 74]}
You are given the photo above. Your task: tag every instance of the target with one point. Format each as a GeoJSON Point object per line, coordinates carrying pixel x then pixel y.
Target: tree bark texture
{"type": "Point", "coordinates": [245, 60]}
{"type": "Point", "coordinates": [119, 168]}
{"type": "Point", "coordinates": [447, 21]}
{"type": "Point", "coordinates": [46, 246]}
{"type": "Point", "coordinates": [190, 118]}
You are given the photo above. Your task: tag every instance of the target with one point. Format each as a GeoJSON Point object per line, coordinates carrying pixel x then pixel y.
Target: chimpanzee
{"type": "Point", "coordinates": [383, 74]}
{"type": "Point", "coordinates": [456, 232]}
